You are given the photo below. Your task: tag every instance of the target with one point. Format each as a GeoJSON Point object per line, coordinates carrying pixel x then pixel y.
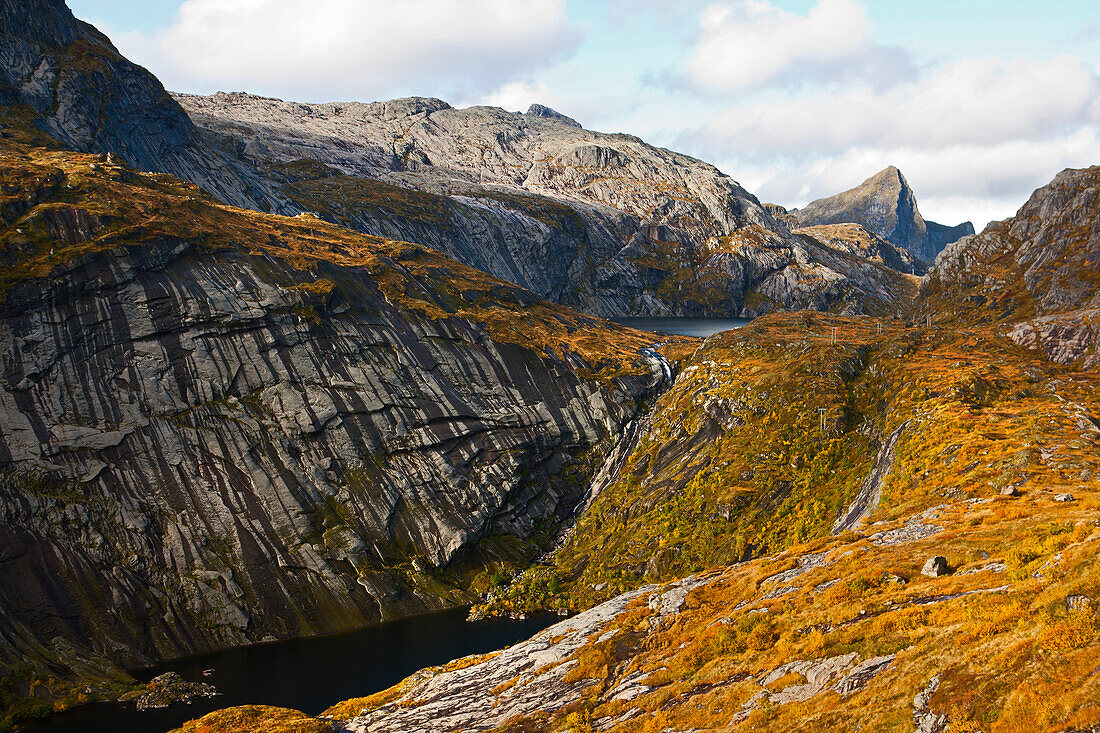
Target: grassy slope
{"type": "Point", "coordinates": [985, 414]}
{"type": "Point", "coordinates": [703, 491]}
{"type": "Point", "coordinates": [735, 464]}
{"type": "Point", "coordinates": [43, 190]}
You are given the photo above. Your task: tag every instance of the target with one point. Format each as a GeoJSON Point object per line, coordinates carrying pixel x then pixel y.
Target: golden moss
{"type": "Point", "coordinates": [255, 719]}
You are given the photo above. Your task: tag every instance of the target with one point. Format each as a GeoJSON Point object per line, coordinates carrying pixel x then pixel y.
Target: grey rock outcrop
{"type": "Point", "coordinates": [885, 205]}
{"type": "Point", "coordinates": [85, 94]}
{"type": "Point", "coordinates": [600, 222]}
{"type": "Point", "coordinates": [853, 239]}
{"type": "Point", "coordinates": [935, 567]}
{"type": "Point", "coordinates": [1036, 270]}
{"type": "Point", "coordinates": [538, 110]}
{"type": "Point", "coordinates": [195, 452]}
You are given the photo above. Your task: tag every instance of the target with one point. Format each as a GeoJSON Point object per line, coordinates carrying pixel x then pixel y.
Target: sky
{"type": "Point", "coordinates": [978, 102]}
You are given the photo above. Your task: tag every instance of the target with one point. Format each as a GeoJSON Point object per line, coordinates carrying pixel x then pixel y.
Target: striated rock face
{"type": "Point", "coordinates": [605, 223]}
{"type": "Point", "coordinates": [885, 205]}
{"type": "Point", "coordinates": [82, 92]}
{"type": "Point", "coordinates": [218, 427]}
{"type": "Point", "coordinates": [1038, 268]}
{"type": "Point", "coordinates": [833, 632]}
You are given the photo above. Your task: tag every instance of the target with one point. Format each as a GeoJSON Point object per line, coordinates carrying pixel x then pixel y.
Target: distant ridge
{"type": "Point", "coordinates": [885, 205]}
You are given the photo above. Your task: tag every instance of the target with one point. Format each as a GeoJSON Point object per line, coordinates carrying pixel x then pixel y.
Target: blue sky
{"type": "Point", "coordinates": [977, 101]}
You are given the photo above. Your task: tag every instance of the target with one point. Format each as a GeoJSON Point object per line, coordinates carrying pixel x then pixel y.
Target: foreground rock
{"type": "Point", "coordinates": [935, 567]}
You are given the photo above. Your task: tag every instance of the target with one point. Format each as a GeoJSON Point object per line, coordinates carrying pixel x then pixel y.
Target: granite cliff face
{"type": "Point", "coordinates": [219, 427]}
{"type": "Point", "coordinates": [78, 89]}
{"type": "Point", "coordinates": [1038, 269]}
{"type": "Point", "coordinates": [885, 205]}
{"type": "Point", "coordinates": [604, 223]}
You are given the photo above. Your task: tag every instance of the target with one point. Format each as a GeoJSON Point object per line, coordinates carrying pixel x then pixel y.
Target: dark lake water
{"type": "Point", "coordinates": [309, 674]}
{"type": "Point", "coordinates": [698, 327]}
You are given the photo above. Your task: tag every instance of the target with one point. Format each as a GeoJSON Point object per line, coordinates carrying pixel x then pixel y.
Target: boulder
{"type": "Point", "coordinates": [1078, 603]}
{"type": "Point", "coordinates": [935, 567]}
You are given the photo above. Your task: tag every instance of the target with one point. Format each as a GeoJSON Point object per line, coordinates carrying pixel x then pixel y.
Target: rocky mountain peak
{"type": "Point", "coordinates": [75, 86]}
{"type": "Point", "coordinates": [538, 110]}
{"type": "Point", "coordinates": [44, 21]}
{"type": "Point", "coordinates": [86, 94]}
{"type": "Point", "coordinates": [885, 205]}
{"type": "Point", "coordinates": [409, 106]}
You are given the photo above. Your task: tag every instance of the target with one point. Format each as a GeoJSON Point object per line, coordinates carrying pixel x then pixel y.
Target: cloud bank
{"type": "Point", "coordinates": [363, 49]}
{"type": "Point", "coordinates": [974, 136]}
{"type": "Point", "coordinates": [751, 44]}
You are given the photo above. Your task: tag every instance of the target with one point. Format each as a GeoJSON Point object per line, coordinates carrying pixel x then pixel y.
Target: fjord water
{"type": "Point", "coordinates": [309, 674]}
{"type": "Point", "coordinates": [698, 327]}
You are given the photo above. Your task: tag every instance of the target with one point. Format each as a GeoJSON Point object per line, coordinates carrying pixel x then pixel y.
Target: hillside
{"type": "Point", "coordinates": [828, 523]}
{"type": "Point", "coordinates": [1036, 271]}
{"type": "Point", "coordinates": [985, 455]}
{"type": "Point", "coordinates": [886, 206]}
{"type": "Point", "coordinates": [220, 426]}
{"type": "Point", "coordinates": [601, 222]}
{"type": "Point", "coordinates": [275, 370]}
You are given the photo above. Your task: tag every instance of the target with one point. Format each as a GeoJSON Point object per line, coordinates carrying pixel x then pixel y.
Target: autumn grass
{"type": "Point", "coordinates": [42, 190]}
{"type": "Point", "coordinates": [255, 719]}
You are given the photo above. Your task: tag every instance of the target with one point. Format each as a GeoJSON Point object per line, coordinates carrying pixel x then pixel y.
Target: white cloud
{"type": "Point", "coordinates": [750, 43]}
{"type": "Point", "coordinates": [973, 101]}
{"type": "Point", "coordinates": [974, 137]}
{"type": "Point", "coordinates": [356, 49]}
{"type": "Point", "coordinates": [517, 96]}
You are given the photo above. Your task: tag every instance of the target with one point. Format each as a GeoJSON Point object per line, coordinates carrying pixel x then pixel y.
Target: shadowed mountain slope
{"type": "Point", "coordinates": [85, 94]}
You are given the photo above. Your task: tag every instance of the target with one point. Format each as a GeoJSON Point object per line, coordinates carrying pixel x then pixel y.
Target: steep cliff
{"type": "Point", "coordinates": [219, 426]}
{"type": "Point", "coordinates": [1038, 271]}
{"type": "Point", "coordinates": [604, 223]}
{"type": "Point", "coordinates": [885, 205]}
{"type": "Point", "coordinates": [964, 599]}
{"type": "Point", "coordinates": [86, 95]}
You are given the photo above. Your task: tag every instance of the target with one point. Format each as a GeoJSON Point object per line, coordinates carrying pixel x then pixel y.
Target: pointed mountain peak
{"type": "Point", "coordinates": [539, 110]}
{"type": "Point", "coordinates": [887, 178]}
{"type": "Point", "coordinates": [885, 205]}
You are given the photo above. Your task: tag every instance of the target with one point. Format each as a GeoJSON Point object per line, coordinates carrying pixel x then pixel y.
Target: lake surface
{"type": "Point", "coordinates": [698, 327]}
{"type": "Point", "coordinates": [308, 674]}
